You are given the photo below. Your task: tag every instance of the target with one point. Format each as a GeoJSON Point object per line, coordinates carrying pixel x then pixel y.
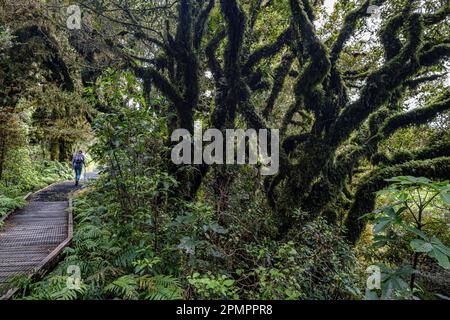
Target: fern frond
{"type": "Point", "coordinates": [126, 258]}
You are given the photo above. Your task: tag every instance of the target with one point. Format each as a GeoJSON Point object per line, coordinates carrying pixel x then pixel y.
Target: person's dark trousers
{"type": "Point", "coordinates": [78, 170]}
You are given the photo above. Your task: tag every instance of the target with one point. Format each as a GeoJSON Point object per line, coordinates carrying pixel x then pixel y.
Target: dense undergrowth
{"type": "Point", "coordinates": [361, 104]}
{"type": "Point", "coordinates": [192, 256]}
{"type": "Point", "coordinates": [178, 249]}
{"type": "Point", "coordinates": [136, 235]}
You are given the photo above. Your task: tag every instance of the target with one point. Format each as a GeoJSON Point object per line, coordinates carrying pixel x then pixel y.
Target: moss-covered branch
{"type": "Point", "coordinates": [416, 116]}
{"type": "Point", "coordinates": [317, 67]}
{"type": "Point", "coordinates": [414, 83]}
{"type": "Point", "coordinates": [381, 125]}
{"type": "Point", "coordinates": [432, 55]}
{"type": "Point", "coordinates": [365, 196]}
{"type": "Point", "coordinates": [201, 22]}
{"type": "Point", "coordinates": [281, 72]}
{"type": "Point", "coordinates": [236, 22]}
{"type": "Point", "coordinates": [210, 51]}
{"type": "Point", "coordinates": [438, 16]}
{"type": "Point", "coordinates": [435, 150]}
{"type": "Point", "coordinates": [59, 71]}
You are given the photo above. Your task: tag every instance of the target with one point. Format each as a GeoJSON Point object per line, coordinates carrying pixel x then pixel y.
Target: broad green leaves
{"type": "Point", "coordinates": [434, 248]}
{"type": "Point", "coordinates": [403, 184]}
{"type": "Point", "coordinates": [421, 246]}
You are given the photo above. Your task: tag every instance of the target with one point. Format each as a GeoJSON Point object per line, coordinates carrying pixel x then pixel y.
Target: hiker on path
{"type": "Point", "coordinates": [78, 162]}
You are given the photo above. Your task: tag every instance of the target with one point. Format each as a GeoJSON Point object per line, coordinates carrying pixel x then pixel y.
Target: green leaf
{"type": "Point", "coordinates": [228, 282]}
{"type": "Point", "coordinates": [421, 246]}
{"type": "Point", "coordinates": [405, 271]}
{"type": "Point", "coordinates": [188, 244]}
{"type": "Point", "coordinates": [390, 212]}
{"type": "Point", "coordinates": [440, 246]}
{"type": "Point", "coordinates": [379, 244]}
{"type": "Point", "coordinates": [403, 196]}
{"type": "Point", "coordinates": [441, 258]}
{"type": "Point", "coordinates": [400, 210]}
{"type": "Point", "coordinates": [215, 227]}
{"type": "Point", "coordinates": [381, 225]}
{"type": "Point", "coordinates": [415, 231]}
{"type": "Point", "coordinates": [381, 240]}
{"type": "Point", "coordinates": [371, 295]}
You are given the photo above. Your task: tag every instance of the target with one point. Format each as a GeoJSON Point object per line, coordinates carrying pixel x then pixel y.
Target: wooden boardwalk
{"type": "Point", "coordinates": [33, 237]}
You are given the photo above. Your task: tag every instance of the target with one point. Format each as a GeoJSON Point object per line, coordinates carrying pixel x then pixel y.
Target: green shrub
{"type": "Point", "coordinates": [22, 175]}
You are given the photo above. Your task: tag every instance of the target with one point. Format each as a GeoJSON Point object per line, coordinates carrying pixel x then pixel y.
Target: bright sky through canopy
{"type": "Point", "coordinates": [329, 4]}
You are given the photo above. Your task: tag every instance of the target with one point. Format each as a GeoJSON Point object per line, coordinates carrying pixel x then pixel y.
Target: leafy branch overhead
{"type": "Point", "coordinates": [412, 204]}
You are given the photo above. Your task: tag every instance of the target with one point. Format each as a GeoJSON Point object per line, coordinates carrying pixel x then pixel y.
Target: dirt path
{"type": "Point", "coordinates": [34, 236]}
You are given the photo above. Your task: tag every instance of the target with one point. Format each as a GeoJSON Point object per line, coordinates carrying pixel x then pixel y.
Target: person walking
{"type": "Point", "coordinates": [78, 162]}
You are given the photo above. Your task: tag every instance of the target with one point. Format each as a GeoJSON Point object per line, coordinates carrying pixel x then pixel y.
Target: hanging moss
{"type": "Point", "coordinates": [435, 150]}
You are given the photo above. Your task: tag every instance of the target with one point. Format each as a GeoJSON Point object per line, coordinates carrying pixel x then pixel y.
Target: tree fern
{"type": "Point", "coordinates": [55, 288]}
{"type": "Point", "coordinates": [125, 258]}
{"type": "Point", "coordinates": [160, 287]}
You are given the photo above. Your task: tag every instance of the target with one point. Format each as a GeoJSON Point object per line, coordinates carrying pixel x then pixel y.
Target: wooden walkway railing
{"type": "Point", "coordinates": [32, 238]}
